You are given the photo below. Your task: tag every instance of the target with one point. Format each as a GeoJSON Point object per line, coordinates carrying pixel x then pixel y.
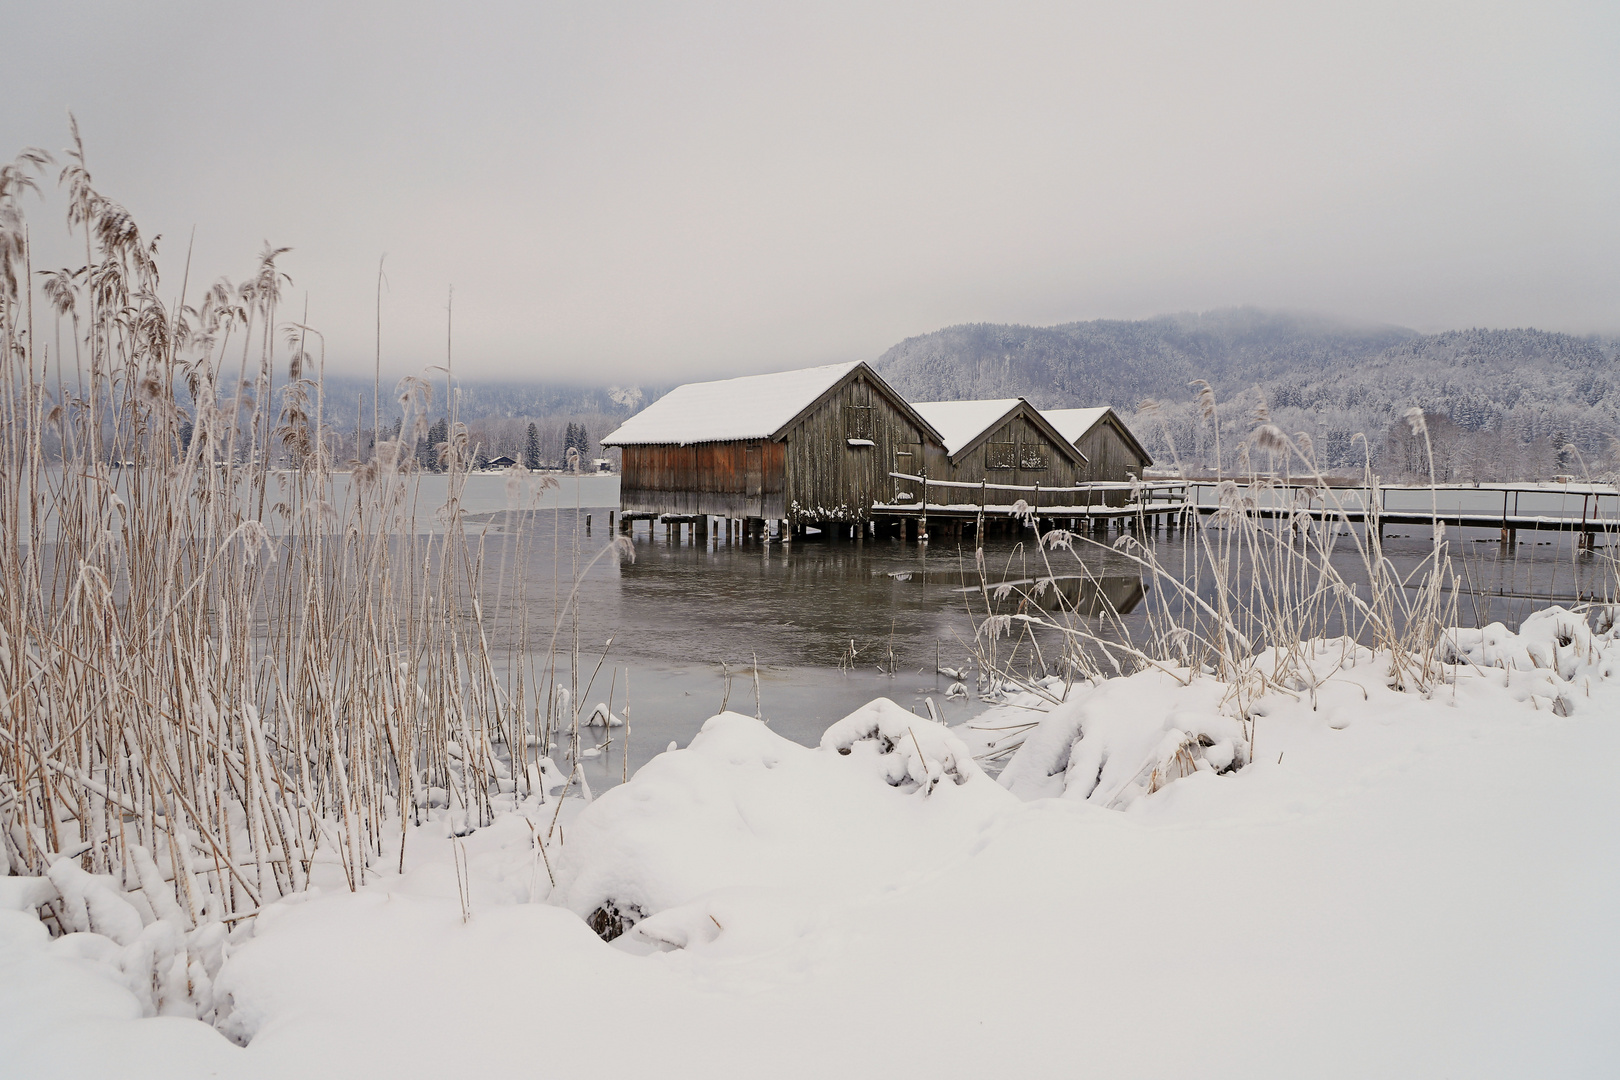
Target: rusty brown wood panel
{"type": "Point", "coordinates": [703, 478]}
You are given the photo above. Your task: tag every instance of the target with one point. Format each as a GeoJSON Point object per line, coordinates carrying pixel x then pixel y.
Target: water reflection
{"type": "Point", "coordinates": [1062, 595]}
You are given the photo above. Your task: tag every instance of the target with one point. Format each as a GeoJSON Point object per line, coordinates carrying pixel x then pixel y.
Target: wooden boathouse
{"type": "Point", "coordinates": [1112, 453]}
{"type": "Point", "coordinates": [1005, 452]}
{"type": "Point", "coordinates": [1005, 441]}
{"type": "Point", "coordinates": [809, 447]}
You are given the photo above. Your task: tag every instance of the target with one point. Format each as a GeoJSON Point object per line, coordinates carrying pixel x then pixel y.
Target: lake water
{"type": "Point", "coordinates": [833, 625]}
{"type": "Point", "coordinates": [827, 627]}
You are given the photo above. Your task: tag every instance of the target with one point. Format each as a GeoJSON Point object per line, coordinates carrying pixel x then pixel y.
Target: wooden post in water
{"type": "Point", "coordinates": [978, 519]}
{"type": "Point", "coordinates": [922, 530]}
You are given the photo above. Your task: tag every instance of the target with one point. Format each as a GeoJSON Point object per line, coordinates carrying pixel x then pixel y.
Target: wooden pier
{"type": "Point", "coordinates": [1585, 509]}
{"type": "Point", "coordinates": [952, 508]}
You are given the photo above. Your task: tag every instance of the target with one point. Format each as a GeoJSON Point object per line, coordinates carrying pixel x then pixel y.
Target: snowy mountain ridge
{"type": "Point", "coordinates": [1504, 403]}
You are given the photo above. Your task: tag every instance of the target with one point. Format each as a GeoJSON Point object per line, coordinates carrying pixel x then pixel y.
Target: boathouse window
{"type": "Point", "coordinates": [1031, 456]}
{"type": "Point", "coordinates": [1000, 455]}
{"type": "Point", "coordinates": [858, 422]}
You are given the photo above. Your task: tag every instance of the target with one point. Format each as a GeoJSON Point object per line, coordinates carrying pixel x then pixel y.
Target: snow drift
{"type": "Point", "coordinates": [1396, 881]}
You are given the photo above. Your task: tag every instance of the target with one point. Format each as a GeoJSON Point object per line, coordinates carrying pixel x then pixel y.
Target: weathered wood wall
{"type": "Point", "coordinates": [830, 480]}
{"type": "Point", "coordinates": [823, 470]}
{"type": "Point", "coordinates": [1009, 456]}
{"type": "Point", "coordinates": [1111, 456]}
{"type": "Point", "coordinates": [724, 479]}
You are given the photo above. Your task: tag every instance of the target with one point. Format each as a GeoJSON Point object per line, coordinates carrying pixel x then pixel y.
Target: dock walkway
{"type": "Point", "coordinates": [1587, 509]}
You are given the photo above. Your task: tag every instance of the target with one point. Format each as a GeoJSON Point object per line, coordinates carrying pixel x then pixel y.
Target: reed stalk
{"type": "Point", "coordinates": [224, 652]}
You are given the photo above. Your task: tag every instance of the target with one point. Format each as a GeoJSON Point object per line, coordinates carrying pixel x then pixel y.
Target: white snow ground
{"type": "Point", "coordinates": [1398, 885]}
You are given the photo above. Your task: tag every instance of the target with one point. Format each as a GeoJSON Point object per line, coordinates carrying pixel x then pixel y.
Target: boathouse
{"type": "Point", "coordinates": [801, 447]}
{"type": "Point", "coordinates": [1004, 441]}
{"type": "Point", "coordinates": [1112, 453]}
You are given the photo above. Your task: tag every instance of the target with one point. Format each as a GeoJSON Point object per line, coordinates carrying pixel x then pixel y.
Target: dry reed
{"type": "Point", "coordinates": [224, 658]}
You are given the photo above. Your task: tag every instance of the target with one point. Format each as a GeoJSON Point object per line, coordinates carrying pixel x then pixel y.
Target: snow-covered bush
{"type": "Point", "coordinates": [1126, 738]}
{"type": "Point", "coordinates": [912, 753]}
{"type": "Point", "coordinates": [1555, 656]}
{"type": "Point", "coordinates": [168, 967]}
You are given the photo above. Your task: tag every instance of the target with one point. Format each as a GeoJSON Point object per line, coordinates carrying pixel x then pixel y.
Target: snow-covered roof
{"type": "Point", "coordinates": [1074, 423]}
{"type": "Point", "coordinates": [752, 407]}
{"type": "Point", "coordinates": [960, 422]}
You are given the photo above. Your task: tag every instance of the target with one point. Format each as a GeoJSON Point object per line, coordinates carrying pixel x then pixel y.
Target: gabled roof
{"type": "Point", "coordinates": [965, 424]}
{"type": "Point", "coordinates": [1076, 424]}
{"type": "Point", "coordinates": [750, 407]}
{"type": "Point", "coordinates": [960, 422]}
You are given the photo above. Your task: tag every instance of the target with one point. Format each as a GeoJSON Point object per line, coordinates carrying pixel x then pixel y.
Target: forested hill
{"type": "Point", "coordinates": [1121, 362]}
{"type": "Point", "coordinates": [1502, 402]}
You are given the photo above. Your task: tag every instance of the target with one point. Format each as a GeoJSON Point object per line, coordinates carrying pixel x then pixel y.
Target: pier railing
{"type": "Point", "coordinates": [1097, 499]}
{"type": "Point", "coordinates": [1584, 508]}
{"type": "Point", "coordinates": [1598, 504]}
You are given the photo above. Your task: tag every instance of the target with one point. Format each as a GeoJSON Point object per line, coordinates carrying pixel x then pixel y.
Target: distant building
{"type": "Point", "coordinates": [805, 447]}
{"type": "Point", "coordinates": [502, 462]}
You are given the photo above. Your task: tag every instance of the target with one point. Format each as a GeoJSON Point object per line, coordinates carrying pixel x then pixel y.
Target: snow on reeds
{"type": "Point", "coordinates": [1261, 587]}
{"type": "Point", "coordinates": [224, 660]}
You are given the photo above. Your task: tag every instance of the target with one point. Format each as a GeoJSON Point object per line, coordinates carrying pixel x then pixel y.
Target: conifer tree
{"type": "Point", "coordinates": [531, 448]}
{"type": "Point", "coordinates": [438, 434]}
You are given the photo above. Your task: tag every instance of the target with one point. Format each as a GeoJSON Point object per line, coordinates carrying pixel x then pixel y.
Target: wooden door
{"type": "Point", "coordinates": [907, 459]}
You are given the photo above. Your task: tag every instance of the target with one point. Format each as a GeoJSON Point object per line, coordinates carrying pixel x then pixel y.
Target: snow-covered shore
{"type": "Point", "coordinates": [1404, 881]}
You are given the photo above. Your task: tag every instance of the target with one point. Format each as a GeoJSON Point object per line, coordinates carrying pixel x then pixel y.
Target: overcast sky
{"type": "Point", "coordinates": [624, 192]}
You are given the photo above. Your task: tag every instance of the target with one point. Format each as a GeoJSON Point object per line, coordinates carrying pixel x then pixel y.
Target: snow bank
{"type": "Point", "coordinates": [1126, 738]}
{"type": "Point", "coordinates": [1554, 658]}
{"type": "Point", "coordinates": [1117, 741]}
{"type": "Point", "coordinates": [886, 794]}
{"type": "Point", "coordinates": [912, 753]}
{"type": "Point", "coordinates": [149, 948]}
{"type": "Point", "coordinates": [1399, 882]}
